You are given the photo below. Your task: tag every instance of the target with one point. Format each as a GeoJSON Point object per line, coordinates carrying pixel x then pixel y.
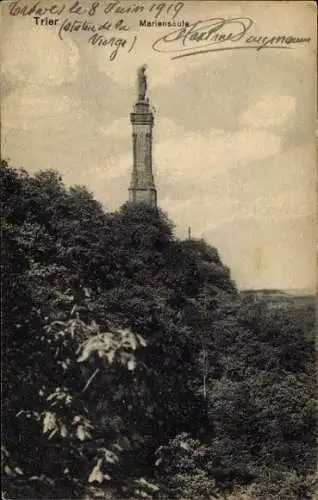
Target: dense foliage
{"type": "Point", "coordinates": [134, 368]}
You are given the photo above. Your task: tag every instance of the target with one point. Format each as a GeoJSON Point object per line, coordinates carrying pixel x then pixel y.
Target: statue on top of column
{"type": "Point", "coordinates": [142, 82]}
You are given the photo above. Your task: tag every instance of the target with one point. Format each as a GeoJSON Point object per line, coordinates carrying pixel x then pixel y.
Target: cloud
{"type": "Point", "coordinates": [23, 107]}
{"type": "Point", "coordinates": [270, 203]}
{"type": "Point", "coordinates": [198, 158]}
{"type": "Point", "coordinates": [167, 129]}
{"type": "Point", "coordinates": [270, 111]}
{"type": "Point", "coordinates": [37, 58]}
{"type": "Point", "coordinates": [119, 128]}
{"type": "Point", "coordinates": [271, 253]}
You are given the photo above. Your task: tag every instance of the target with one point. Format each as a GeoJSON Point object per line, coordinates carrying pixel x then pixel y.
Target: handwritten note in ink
{"type": "Point", "coordinates": [159, 214]}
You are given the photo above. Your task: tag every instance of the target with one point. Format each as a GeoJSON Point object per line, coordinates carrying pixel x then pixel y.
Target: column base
{"type": "Point", "coordinates": [146, 195]}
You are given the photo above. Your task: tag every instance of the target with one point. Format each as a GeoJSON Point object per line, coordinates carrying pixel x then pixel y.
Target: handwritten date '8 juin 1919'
{"type": "Point", "coordinates": [40, 8]}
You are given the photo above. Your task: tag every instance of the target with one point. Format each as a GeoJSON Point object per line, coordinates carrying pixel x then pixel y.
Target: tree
{"type": "Point", "coordinates": [182, 472]}
{"type": "Point", "coordinates": [133, 348]}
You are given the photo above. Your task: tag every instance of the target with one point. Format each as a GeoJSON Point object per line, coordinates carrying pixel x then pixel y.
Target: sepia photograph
{"type": "Point", "coordinates": [158, 250]}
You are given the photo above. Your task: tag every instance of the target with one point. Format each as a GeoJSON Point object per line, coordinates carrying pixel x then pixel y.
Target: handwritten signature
{"type": "Point", "coordinates": [218, 34]}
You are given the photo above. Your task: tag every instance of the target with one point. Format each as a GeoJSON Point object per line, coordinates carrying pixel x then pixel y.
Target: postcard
{"type": "Point", "coordinates": [206, 112]}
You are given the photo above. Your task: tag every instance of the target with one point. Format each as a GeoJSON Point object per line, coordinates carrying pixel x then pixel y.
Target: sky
{"type": "Point", "coordinates": [234, 149]}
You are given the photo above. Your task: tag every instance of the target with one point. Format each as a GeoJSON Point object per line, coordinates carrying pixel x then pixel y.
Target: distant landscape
{"type": "Point", "coordinates": [293, 295]}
